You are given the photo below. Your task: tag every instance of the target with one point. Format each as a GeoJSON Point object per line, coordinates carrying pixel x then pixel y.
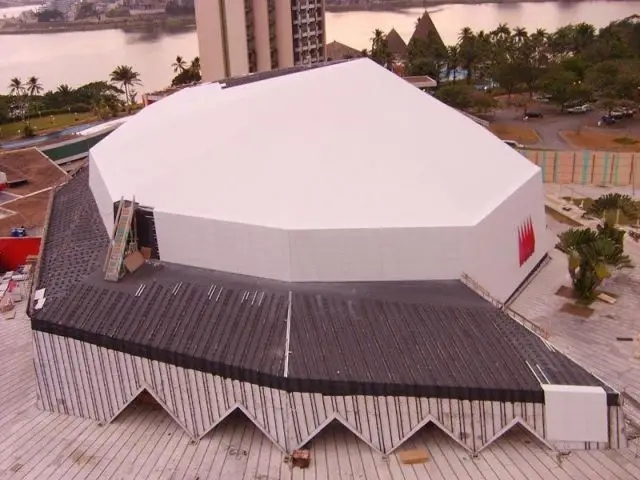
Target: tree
{"type": "Point", "coordinates": [126, 77]}
{"type": "Point", "coordinates": [482, 102]}
{"type": "Point", "coordinates": [34, 87]}
{"type": "Point", "coordinates": [18, 90]}
{"type": "Point", "coordinates": [380, 49]}
{"type": "Point", "coordinates": [64, 90]}
{"type": "Point", "coordinates": [180, 65]}
{"type": "Point", "coordinates": [563, 86]}
{"type": "Point", "coordinates": [195, 65]}
{"type": "Point", "coordinates": [16, 87]}
{"type": "Point", "coordinates": [458, 96]}
{"type": "Point", "coordinates": [187, 75]}
{"type": "Point", "coordinates": [591, 255]}
{"type": "Point", "coordinates": [468, 52]}
{"type": "Point", "coordinates": [508, 76]}
{"type": "Point", "coordinates": [426, 57]}
{"type": "Point", "coordinates": [453, 61]}
{"type": "Point", "coordinates": [614, 80]}
{"type": "Point", "coordinates": [616, 203]}
{"type": "Point", "coordinates": [86, 10]}
{"type": "Point", "coordinates": [49, 15]}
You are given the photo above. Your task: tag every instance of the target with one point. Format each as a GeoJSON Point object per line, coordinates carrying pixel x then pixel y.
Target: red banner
{"type": "Point", "coordinates": [14, 251]}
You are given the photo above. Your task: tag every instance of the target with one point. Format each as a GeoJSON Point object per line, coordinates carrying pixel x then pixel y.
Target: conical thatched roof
{"type": "Point", "coordinates": [338, 51]}
{"type": "Point", "coordinates": [425, 29]}
{"type": "Point", "coordinates": [396, 44]}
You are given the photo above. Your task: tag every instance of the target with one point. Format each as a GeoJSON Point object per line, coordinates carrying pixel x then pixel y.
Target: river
{"type": "Point", "coordinates": [80, 57]}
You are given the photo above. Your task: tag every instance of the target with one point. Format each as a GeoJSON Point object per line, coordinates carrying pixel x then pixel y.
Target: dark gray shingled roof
{"type": "Point", "coordinates": [431, 338]}
{"type": "Point", "coordinates": [280, 72]}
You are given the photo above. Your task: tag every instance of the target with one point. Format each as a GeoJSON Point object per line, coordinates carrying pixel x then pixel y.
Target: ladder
{"type": "Point", "coordinates": [117, 249]}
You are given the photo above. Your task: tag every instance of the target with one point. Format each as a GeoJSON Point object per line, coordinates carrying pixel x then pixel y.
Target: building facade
{"type": "Point", "coordinates": [238, 37]}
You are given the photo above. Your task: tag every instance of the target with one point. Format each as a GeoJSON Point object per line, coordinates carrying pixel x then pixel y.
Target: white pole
{"type": "Point", "coordinates": [633, 177]}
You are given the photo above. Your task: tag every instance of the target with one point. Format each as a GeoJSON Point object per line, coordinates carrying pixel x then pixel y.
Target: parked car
{"type": "Point", "coordinates": [513, 144]}
{"type": "Point", "coordinates": [542, 98]}
{"type": "Point", "coordinates": [607, 120]}
{"type": "Point", "coordinates": [532, 114]}
{"type": "Point", "coordinates": [623, 112]}
{"type": "Point", "coordinates": [579, 109]}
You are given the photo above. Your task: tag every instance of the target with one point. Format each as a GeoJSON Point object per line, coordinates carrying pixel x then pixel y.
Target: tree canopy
{"type": "Point", "coordinates": [576, 63]}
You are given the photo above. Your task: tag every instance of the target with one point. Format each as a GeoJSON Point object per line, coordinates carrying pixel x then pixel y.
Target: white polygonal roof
{"type": "Point", "coordinates": [349, 145]}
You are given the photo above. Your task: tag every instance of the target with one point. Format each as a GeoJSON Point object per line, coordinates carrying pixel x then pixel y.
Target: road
{"type": "Point", "coordinates": [553, 122]}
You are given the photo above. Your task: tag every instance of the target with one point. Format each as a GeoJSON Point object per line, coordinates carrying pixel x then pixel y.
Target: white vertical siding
{"type": "Point", "coordinates": [85, 380]}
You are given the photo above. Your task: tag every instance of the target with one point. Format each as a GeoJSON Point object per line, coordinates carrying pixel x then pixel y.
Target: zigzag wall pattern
{"type": "Point", "coordinates": [85, 380]}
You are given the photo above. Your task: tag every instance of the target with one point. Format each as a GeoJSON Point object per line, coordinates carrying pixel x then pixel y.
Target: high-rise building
{"type": "Point", "coordinates": [237, 37]}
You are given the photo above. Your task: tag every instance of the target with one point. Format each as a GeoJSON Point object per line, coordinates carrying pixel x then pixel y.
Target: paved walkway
{"type": "Point", "coordinates": [592, 342]}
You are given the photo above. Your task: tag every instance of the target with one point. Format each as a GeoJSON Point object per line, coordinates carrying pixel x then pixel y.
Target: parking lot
{"type": "Point", "coordinates": [553, 122]}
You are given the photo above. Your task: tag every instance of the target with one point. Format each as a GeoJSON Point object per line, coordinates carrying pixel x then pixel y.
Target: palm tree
{"type": "Point", "coordinates": [592, 254]}
{"type": "Point", "coordinates": [16, 87]}
{"type": "Point", "coordinates": [195, 65]}
{"type": "Point", "coordinates": [501, 33]}
{"type": "Point", "coordinates": [453, 61]}
{"type": "Point", "coordinates": [64, 90]}
{"type": "Point", "coordinates": [467, 43]}
{"type": "Point", "coordinates": [520, 35]}
{"type": "Point", "coordinates": [34, 87]}
{"type": "Point", "coordinates": [604, 205]}
{"type": "Point", "coordinates": [380, 49]}
{"type": "Point", "coordinates": [180, 65]}
{"type": "Point", "coordinates": [126, 77]}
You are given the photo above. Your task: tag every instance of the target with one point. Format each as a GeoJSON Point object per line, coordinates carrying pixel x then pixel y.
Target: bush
{"type": "Point", "coordinates": [119, 12]}
{"type": "Point", "coordinates": [75, 108]}
{"type": "Point", "coordinates": [28, 131]}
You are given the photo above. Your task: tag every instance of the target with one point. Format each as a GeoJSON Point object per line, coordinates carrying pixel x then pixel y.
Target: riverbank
{"type": "Point", "coordinates": [129, 24]}
{"type": "Point", "coordinates": [394, 5]}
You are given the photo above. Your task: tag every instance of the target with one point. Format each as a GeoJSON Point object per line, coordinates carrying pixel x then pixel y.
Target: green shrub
{"type": "Point", "coordinates": [625, 141]}
{"type": "Point", "coordinates": [28, 131]}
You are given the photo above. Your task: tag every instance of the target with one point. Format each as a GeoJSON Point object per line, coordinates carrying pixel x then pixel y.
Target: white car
{"type": "Point", "coordinates": [580, 109]}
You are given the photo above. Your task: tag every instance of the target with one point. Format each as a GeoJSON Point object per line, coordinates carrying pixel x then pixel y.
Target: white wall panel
{"type": "Point", "coordinates": [226, 246]}
{"type": "Point", "coordinates": [576, 414]}
{"type": "Point", "coordinates": [198, 401]}
{"type": "Point", "coordinates": [492, 245]}
{"type": "Point", "coordinates": [377, 254]}
{"type": "Point", "coordinates": [101, 194]}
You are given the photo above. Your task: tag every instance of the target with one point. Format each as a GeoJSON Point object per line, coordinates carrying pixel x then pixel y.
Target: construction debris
{"type": "Point", "coordinates": [411, 457]}
{"type": "Point", "coordinates": [301, 458]}
{"type": "Point", "coordinates": [606, 298]}
{"type": "Point", "coordinates": [134, 261]}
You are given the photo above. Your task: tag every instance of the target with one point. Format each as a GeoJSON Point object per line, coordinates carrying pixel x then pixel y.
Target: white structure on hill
{"type": "Point", "coordinates": [339, 173]}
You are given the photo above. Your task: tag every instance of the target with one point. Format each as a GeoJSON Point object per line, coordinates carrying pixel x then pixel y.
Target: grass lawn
{"type": "Point", "coordinates": [42, 124]}
{"type": "Point", "coordinates": [589, 139]}
{"type": "Point", "coordinates": [517, 133]}
{"type": "Point", "coordinates": [611, 216]}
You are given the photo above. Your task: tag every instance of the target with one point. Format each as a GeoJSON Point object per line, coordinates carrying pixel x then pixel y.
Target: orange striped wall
{"type": "Point", "coordinates": [587, 167]}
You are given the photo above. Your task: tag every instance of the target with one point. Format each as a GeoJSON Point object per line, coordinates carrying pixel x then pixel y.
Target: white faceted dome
{"type": "Point", "coordinates": [339, 173]}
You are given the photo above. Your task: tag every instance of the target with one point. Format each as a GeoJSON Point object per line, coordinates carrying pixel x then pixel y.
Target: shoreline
{"type": "Point", "coordinates": [128, 24]}
{"type": "Point", "coordinates": [395, 5]}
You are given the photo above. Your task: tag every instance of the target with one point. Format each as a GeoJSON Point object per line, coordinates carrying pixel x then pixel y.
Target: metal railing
{"type": "Point", "coordinates": [521, 319]}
